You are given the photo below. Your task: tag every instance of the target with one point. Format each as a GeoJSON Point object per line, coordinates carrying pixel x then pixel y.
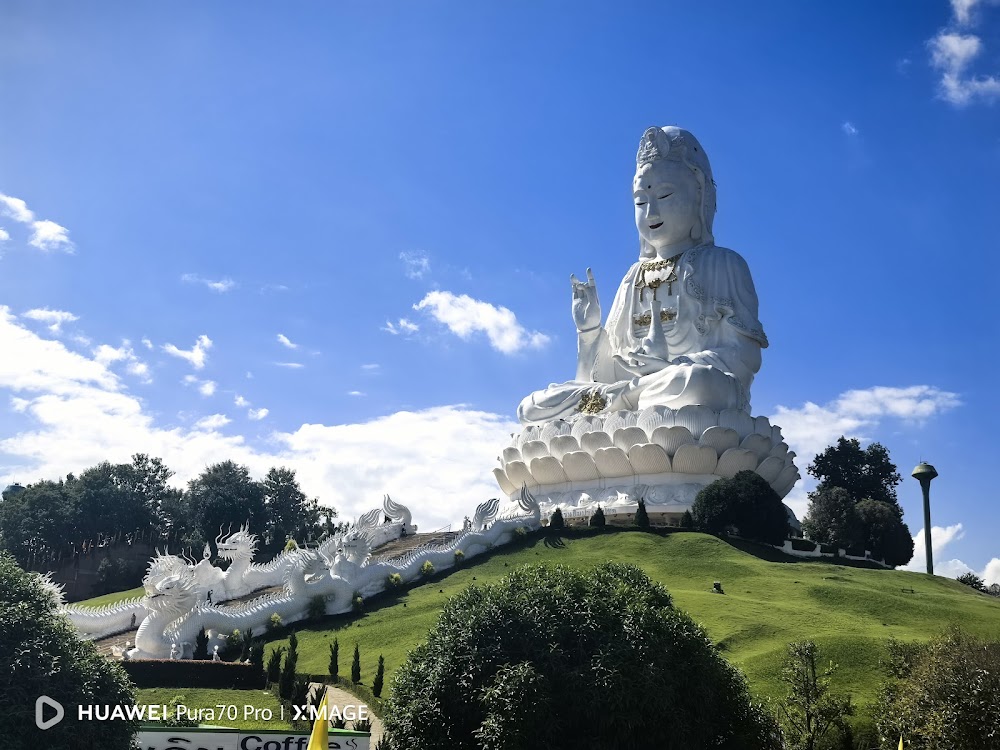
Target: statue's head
{"type": "Point", "coordinates": [673, 190]}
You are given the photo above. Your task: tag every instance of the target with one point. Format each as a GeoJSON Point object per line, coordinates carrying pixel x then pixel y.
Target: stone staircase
{"type": "Point", "coordinates": [409, 543]}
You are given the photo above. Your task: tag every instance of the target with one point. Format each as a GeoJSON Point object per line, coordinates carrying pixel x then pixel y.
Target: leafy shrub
{"type": "Point", "coordinates": [395, 580]}
{"type": "Point", "coordinates": [641, 516]}
{"type": "Point", "coordinates": [803, 545]}
{"type": "Point", "coordinates": [274, 622]}
{"type": "Point", "coordinates": [598, 518]}
{"type": "Point", "coordinates": [687, 520]}
{"type": "Point", "coordinates": [358, 602]}
{"type": "Point", "coordinates": [549, 631]}
{"type": "Point", "coordinates": [520, 532]}
{"type": "Point", "coordinates": [291, 545]}
{"type": "Point", "coordinates": [362, 725]}
{"type": "Point", "coordinates": [273, 667]}
{"type": "Point", "coordinates": [556, 520]}
{"type": "Point", "coordinates": [459, 557]}
{"type": "Point", "coordinates": [427, 569]}
{"type": "Point", "coordinates": [234, 640]}
{"type": "Point", "coordinates": [317, 608]}
{"type": "Point", "coordinates": [201, 645]}
{"type": "Point", "coordinates": [256, 654]}
{"type": "Point", "coordinates": [829, 549]}
{"type": "Point", "coordinates": [746, 502]}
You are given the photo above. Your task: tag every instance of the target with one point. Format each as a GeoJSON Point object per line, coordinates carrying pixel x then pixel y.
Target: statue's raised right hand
{"type": "Point", "coordinates": [586, 307]}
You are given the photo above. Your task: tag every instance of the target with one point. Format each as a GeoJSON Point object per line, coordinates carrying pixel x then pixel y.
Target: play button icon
{"type": "Point", "coordinates": [41, 704]}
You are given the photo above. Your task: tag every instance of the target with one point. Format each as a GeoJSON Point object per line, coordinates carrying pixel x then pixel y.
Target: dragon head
{"type": "Point", "coordinates": [239, 544]}
{"type": "Point", "coordinates": [170, 584]}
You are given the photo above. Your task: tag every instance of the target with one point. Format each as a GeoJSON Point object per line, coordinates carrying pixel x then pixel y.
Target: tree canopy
{"type": "Point", "coordinates": [41, 654]}
{"type": "Point", "coordinates": [746, 503]}
{"type": "Point", "coordinates": [863, 472]}
{"type": "Point", "coordinates": [554, 657]}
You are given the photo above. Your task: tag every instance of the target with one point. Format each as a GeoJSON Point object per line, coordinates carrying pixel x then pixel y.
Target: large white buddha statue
{"type": "Point", "coordinates": [683, 327]}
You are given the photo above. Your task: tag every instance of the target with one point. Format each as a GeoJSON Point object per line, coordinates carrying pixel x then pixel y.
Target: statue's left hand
{"type": "Point", "coordinates": [639, 363]}
{"type": "Point", "coordinates": [586, 306]}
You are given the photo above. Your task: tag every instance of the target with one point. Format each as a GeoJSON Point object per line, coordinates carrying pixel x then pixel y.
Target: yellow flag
{"type": "Point", "coordinates": [320, 737]}
{"type": "Point", "coordinates": [900, 743]}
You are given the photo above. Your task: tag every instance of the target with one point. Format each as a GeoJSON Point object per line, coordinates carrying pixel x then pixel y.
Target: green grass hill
{"type": "Point", "coordinates": [770, 600]}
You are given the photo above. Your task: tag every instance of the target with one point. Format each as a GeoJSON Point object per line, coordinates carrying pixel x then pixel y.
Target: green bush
{"type": "Point", "coordinates": [201, 645]}
{"type": "Point", "coordinates": [234, 641]}
{"type": "Point", "coordinates": [520, 532]}
{"type": "Point", "coordinates": [556, 521]}
{"type": "Point", "coordinates": [273, 667]}
{"type": "Point", "coordinates": [291, 545]}
{"type": "Point", "coordinates": [687, 520]}
{"type": "Point", "coordinates": [803, 545]}
{"type": "Point", "coordinates": [317, 608]}
{"type": "Point", "coordinates": [746, 503]}
{"type": "Point", "coordinates": [598, 518]}
{"type": "Point", "coordinates": [427, 569]}
{"type": "Point", "coordinates": [641, 517]}
{"type": "Point", "coordinates": [358, 602]}
{"type": "Point", "coordinates": [459, 557]}
{"type": "Point", "coordinates": [274, 622]}
{"type": "Point", "coordinates": [534, 660]}
{"type": "Point", "coordinates": [395, 580]}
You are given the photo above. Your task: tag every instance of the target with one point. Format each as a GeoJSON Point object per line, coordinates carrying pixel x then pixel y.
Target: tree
{"type": "Point", "coordinates": [41, 654]}
{"type": "Point", "coordinates": [972, 580]}
{"type": "Point", "coordinates": [289, 513]}
{"type": "Point", "coordinates": [746, 503]}
{"type": "Point", "coordinates": [556, 521]}
{"type": "Point", "coordinates": [379, 677]}
{"type": "Point", "coordinates": [832, 518]}
{"type": "Point", "coordinates": [598, 518]}
{"type": "Point", "coordinates": [886, 534]}
{"type": "Point", "coordinates": [641, 517]}
{"type": "Point", "coordinates": [273, 666]}
{"type": "Point", "coordinates": [944, 694]}
{"type": "Point", "coordinates": [356, 665]}
{"type": "Point", "coordinates": [39, 517]}
{"type": "Point", "coordinates": [863, 473]}
{"type": "Point", "coordinates": [286, 682]}
{"type": "Point", "coordinates": [556, 657]}
{"type": "Point", "coordinates": [810, 710]}
{"type": "Point", "coordinates": [334, 660]}
{"type": "Point", "coordinates": [223, 495]}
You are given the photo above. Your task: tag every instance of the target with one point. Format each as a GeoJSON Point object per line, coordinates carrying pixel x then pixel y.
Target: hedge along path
{"type": "Point", "coordinates": [771, 599]}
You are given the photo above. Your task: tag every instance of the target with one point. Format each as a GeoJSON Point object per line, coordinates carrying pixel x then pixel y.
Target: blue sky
{"type": "Point", "coordinates": [339, 236]}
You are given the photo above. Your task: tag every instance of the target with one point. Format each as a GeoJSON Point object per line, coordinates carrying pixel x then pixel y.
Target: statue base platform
{"type": "Point", "coordinates": [659, 455]}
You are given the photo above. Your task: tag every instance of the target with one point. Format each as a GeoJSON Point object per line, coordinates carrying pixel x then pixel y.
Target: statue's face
{"type": "Point", "coordinates": [667, 202]}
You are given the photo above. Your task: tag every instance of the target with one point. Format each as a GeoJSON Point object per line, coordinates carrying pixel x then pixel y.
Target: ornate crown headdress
{"type": "Point", "coordinates": [655, 145]}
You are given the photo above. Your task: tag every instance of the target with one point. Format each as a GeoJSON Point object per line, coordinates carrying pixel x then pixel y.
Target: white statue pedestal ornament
{"type": "Point", "coordinates": [660, 406]}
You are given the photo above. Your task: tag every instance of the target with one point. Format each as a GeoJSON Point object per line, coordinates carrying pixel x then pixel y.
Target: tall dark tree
{"type": "Point", "coordinates": [379, 677]}
{"type": "Point", "coordinates": [290, 514]}
{"type": "Point", "coordinates": [863, 472]}
{"type": "Point", "coordinates": [886, 535]}
{"type": "Point", "coordinates": [41, 516]}
{"type": "Point", "coordinates": [746, 503]}
{"type": "Point", "coordinates": [832, 518]}
{"type": "Point", "coordinates": [356, 665]}
{"type": "Point", "coordinates": [225, 495]}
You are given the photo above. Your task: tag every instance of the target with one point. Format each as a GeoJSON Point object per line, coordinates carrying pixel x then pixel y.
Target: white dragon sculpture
{"type": "Point", "coordinates": [340, 569]}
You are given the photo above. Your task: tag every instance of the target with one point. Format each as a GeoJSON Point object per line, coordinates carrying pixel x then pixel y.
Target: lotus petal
{"type": "Point", "coordinates": [548, 470]}
{"type": "Point", "coordinates": [770, 468]}
{"type": "Point", "coordinates": [672, 438]}
{"type": "Point", "coordinates": [534, 449]}
{"type": "Point", "coordinates": [553, 429]}
{"type": "Point", "coordinates": [757, 444]}
{"type": "Point", "coordinates": [563, 444]}
{"type": "Point", "coordinates": [786, 479]}
{"type": "Point", "coordinates": [780, 451]}
{"type": "Point", "coordinates": [762, 426]}
{"type": "Point", "coordinates": [619, 420]}
{"type": "Point", "coordinates": [586, 424]}
{"type": "Point", "coordinates": [626, 437]}
{"type": "Point", "coordinates": [518, 474]}
{"type": "Point", "coordinates": [649, 459]}
{"type": "Point", "coordinates": [655, 416]}
{"type": "Point", "coordinates": [695, 459]}
{"type": "Point", "coordinates": [735, 460]}
{"type": "Point", "coordinates": [612, 462]}
{"type": "Point", "coordinates": [696, 418]}
{"type": "Point", "coordinates": [776, 434]}
{"type": "Point", "coordinates": [506, 485]}
{"type": "Point", "coordinates": [594, 441]}
{"type": "Point", "coordinates": [736, 419]}
{"type": "Point", "coordinates": [580, 467]}
{"type": "Point", "coordinates": [511, 454]}
{"type": "Point", "coordinates": [719, 438]}
{"type": "Point", "coordinates": [528, 434]}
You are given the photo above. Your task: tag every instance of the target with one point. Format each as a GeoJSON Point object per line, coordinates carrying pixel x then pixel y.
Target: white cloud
{"type": "Point", "coordinates": [49, 236]}
{"type": "Point", "coordinates": [213, 422]}
{"type": "Point", "coordinates": [416, 265]}
{"type": "Point", "coordinates": [437, 461]}
{"type": "Point", "coordinates": [849, 128]}
{"type": "Point", "coordinates": [107, 355]}
{"type": "Point", "coordinates": [371, 367]}
{"type": "Point", "coordinates": [221, 286]}
{"type": "Point", "coordinates": [404, 326]}
{"type": "Point", "coordinates": [4, 235]}
{"type": "Point", "coordinates": [207, 388]}
{"type": "Point", "coordinates": [941, 538]}
{"type": "Point", "coordinates": [953, 52]}
{"type": "Point", "coordinates": [16, 209]}
{"type": "Point", "coordinates": [240, 401]}
{"type": "Point", "coordinates": [55, 319]}
{"type": "Point", "coordinates": [465, 316]}
{"type": "Point", "coordinates": [290, 365]}
{"type": "Point", "coordinates": [284, 341]}
{"type": "Point", "coordinates": [140, 370]}
{"type": "Point", "coordinates": [147, 343]}
{"type": "Point", "coordinates": [257, 414]}
{"type": "Point", "coordinates": [355, 393]}
{"type": "Point", "coordinates": [196, 355]}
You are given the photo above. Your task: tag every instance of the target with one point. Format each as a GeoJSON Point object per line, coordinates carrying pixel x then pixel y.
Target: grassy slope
{"type": "Point", "coordinates": [849, 612]}
{"type": "Point", "coordinates": [117, 596]}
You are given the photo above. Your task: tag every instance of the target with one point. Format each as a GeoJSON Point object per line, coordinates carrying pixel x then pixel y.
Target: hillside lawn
{"type": "Point", "coordinates": [770, 600]}
{"type": "Point", "coordinates": [113, 597]}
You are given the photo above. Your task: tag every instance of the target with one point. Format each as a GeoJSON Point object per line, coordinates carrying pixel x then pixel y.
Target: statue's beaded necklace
{"type": "Point", "coordinates": [653, 275]}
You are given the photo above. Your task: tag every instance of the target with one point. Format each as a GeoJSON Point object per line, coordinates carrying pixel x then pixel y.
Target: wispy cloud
{"type": "Point", "coordinates": [221, 286]}
{"type": "Point", "coordinates": [4, 235]}
{"type": "Point", "coordinates": [258, 414]}
{"type": "Point", "coordinates": [290, 365]}
{"type": "Point", "coordinates": [465, 317]}
{"type": "Point", "coordinates": [46, 235]}
{"type": "Point", "coordinates": [240, 401]}
{"type": "Point", "coordinates": [371, 367]}
{"type": "Point", "coordinates": [849, 128]}
{"type": "Point", "coordinates": [107, 355]}
{"type": "Point", "coordinates": [196, 355]}
{"type": "Point", "coordinates": [416, 265]}
{"type": "Point", "coordinates": [284, 341]}
{"type": "Point", "coordinates": [355, 393]}
{"type": "Point", "coordinates": [212, 422]}
{"type": "Point", "coordinates": [403, 326]}
{"type": "Point", "coordinates": [953, 50]}
{"type": "Point", "coordinates": [205, 387]}
{"type": "Point", "coordinates": [54, 319]}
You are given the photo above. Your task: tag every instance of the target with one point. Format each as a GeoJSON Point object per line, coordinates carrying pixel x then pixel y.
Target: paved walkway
{"type": "Point", "coordinates": [340, 697]}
